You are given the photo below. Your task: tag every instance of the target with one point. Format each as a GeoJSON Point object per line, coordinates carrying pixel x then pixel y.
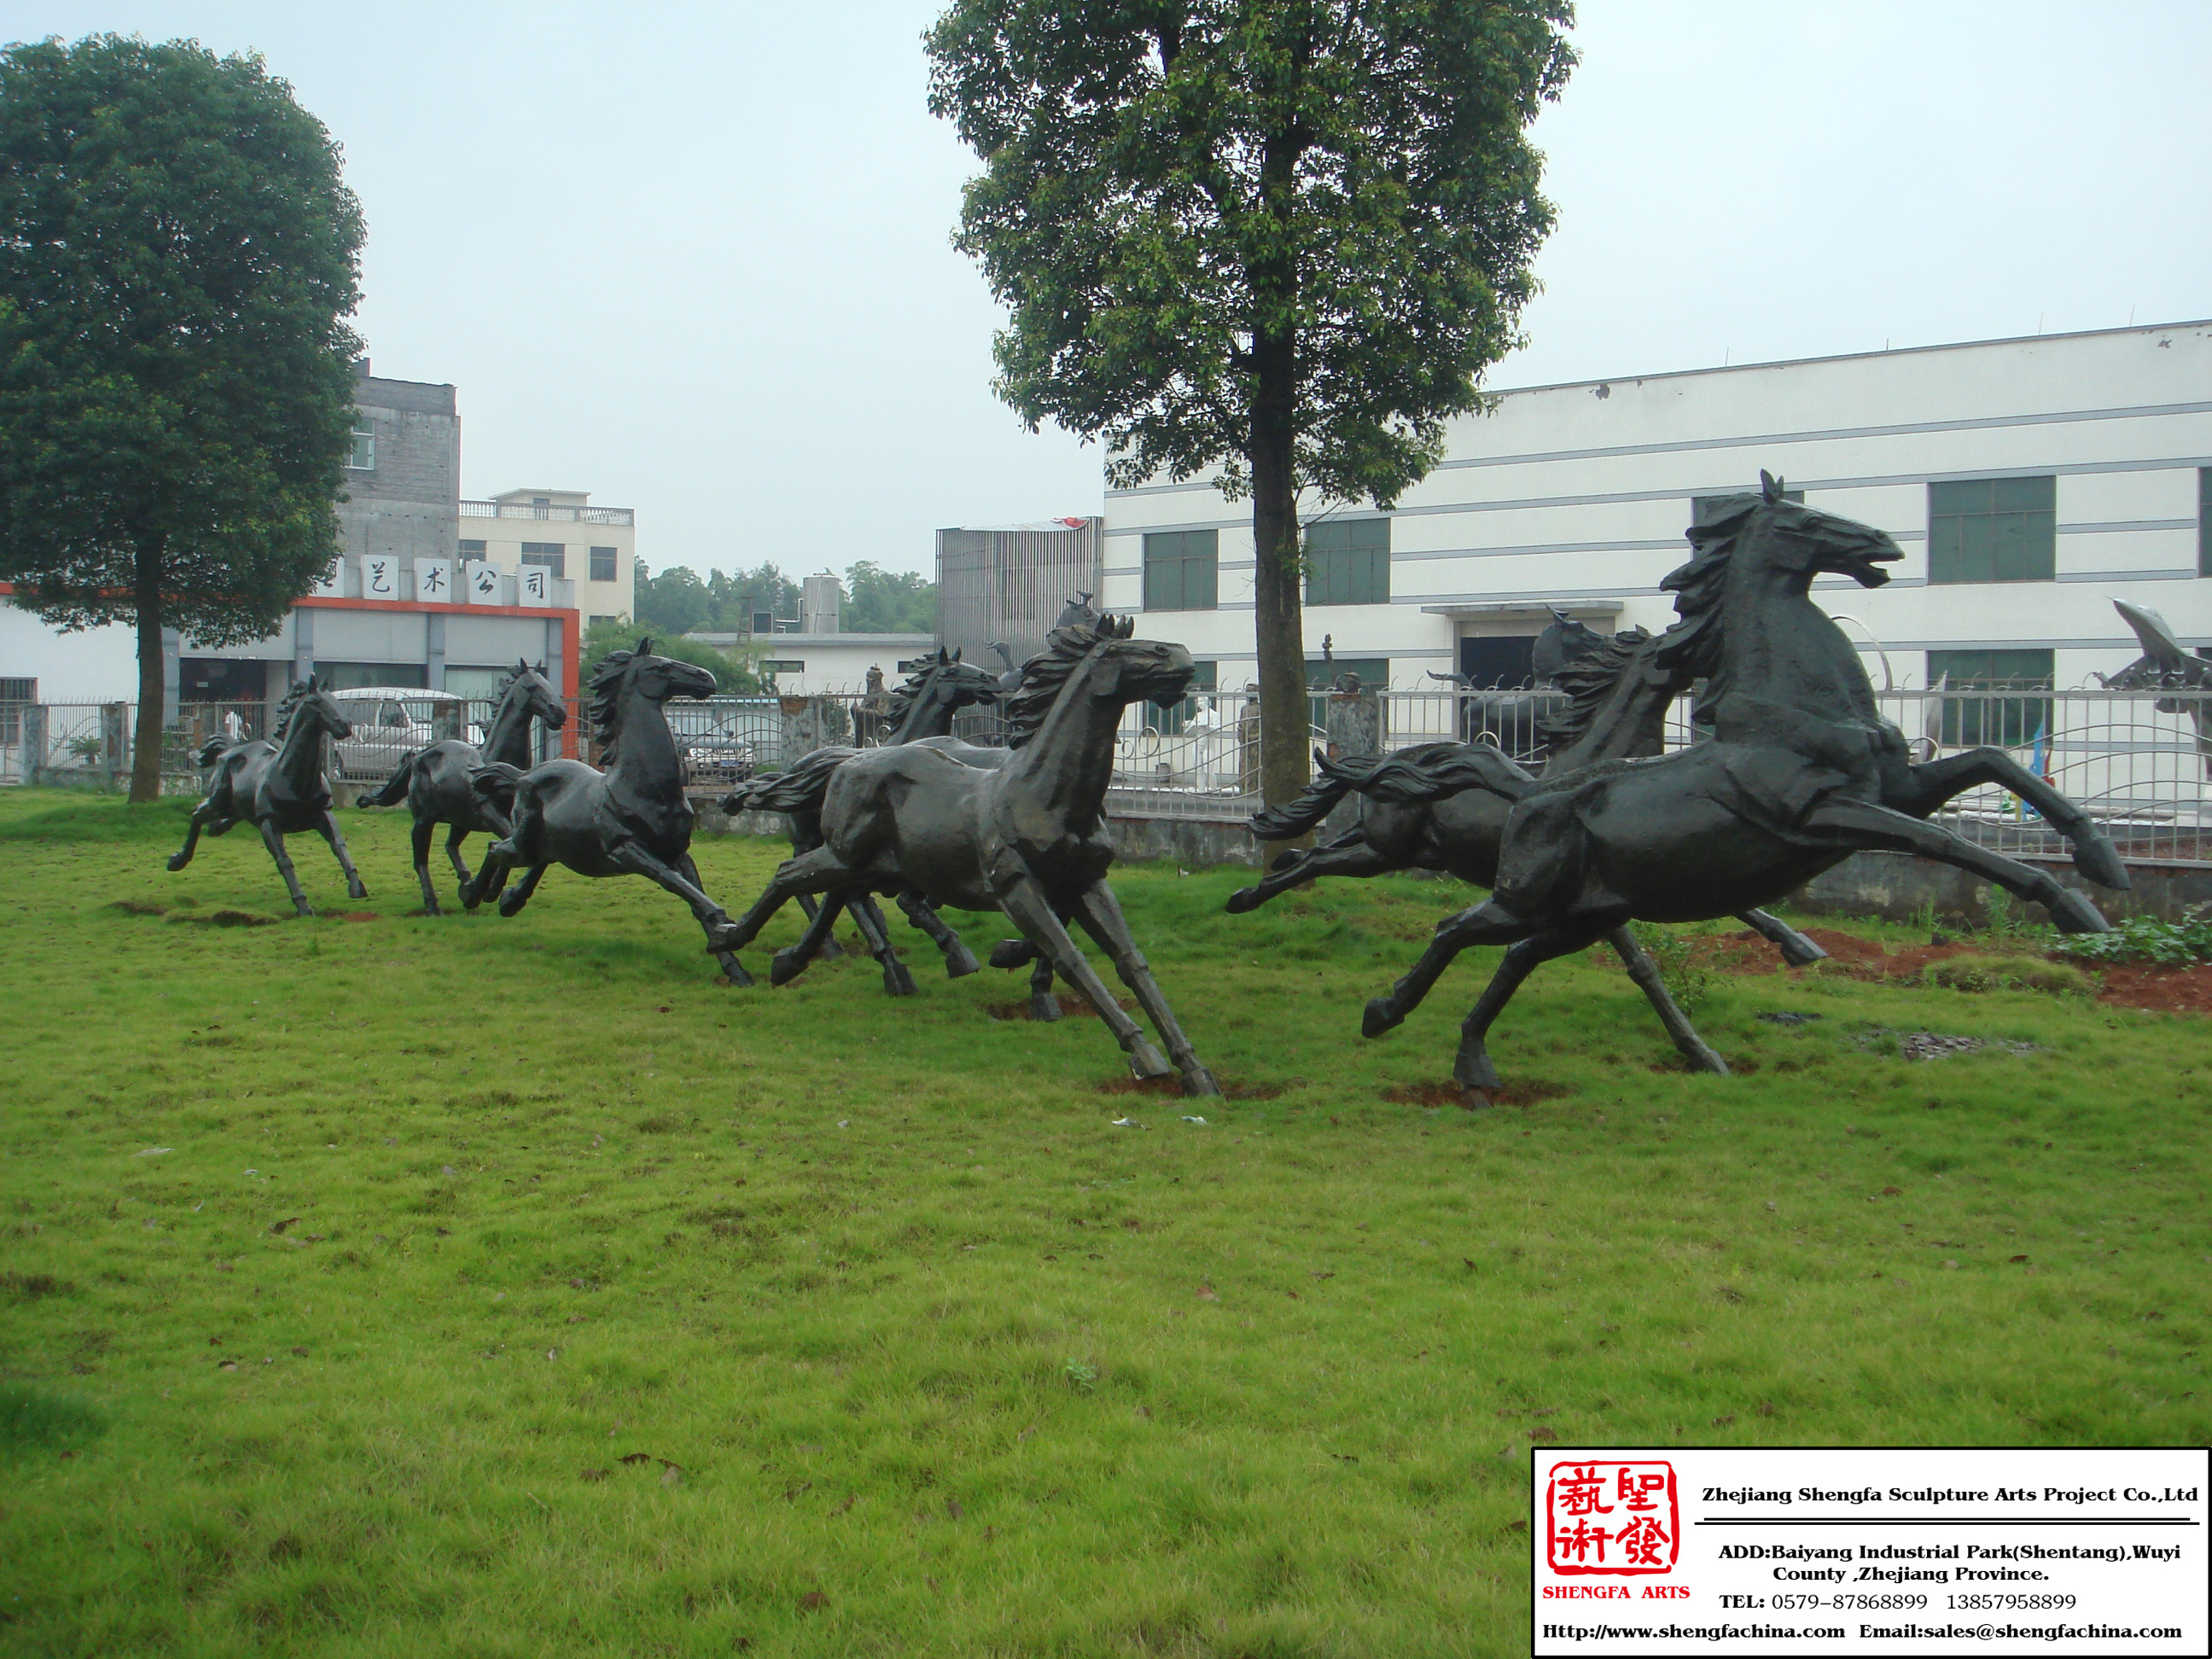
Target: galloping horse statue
{"type": "Point", "coordinates": [435, 782]}
{"type": "Point", "coordinates": [280, 785]}
{"type": "Point", "coordinates": [1027, 837]}
{"type": "Point", "coordinates": [632, 819]}
{"type": "Point", "coordinates": [1800, 772]}
{"type": "Point", "coordinates": [1443, 806]}
{"type": "Point", "coordinates": [936, 689]}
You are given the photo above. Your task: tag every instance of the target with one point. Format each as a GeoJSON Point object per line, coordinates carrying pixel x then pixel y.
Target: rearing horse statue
{"type": "Point", "coordinates": [1802, 772]}
{"type": "Point", "coordinates": [632, 819]}
{"type": "Point", "coordinates": [280, 785]}
{"type": "Point", "coordinates": [436, 784]}
{"type": "Point", "coordinates": [1027, 837]}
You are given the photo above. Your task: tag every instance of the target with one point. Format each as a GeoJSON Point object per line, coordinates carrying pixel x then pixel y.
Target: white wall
{"type": "Point", "coordinates": [99, 664]}
{"type": "Point", "coordinates": [1581, 493]}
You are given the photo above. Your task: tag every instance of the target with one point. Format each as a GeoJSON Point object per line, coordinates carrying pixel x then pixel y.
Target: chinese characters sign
{"type": "Point", "coordinates": [1603, 1517]}
{"type": "Point", "coordinates": [534, 586]}
{"type": "Point", "coordinates": [434, 582]}
{"type": "Point", "coordinates": [483, 583]}
{"type": "Point", "coordinates": [380, 577]}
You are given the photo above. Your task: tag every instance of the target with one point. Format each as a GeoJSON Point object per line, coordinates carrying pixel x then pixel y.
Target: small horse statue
{"type": "Point", "coordinates": [279, 783]}
{"type": "Point", "coordinates": [1800, 772]}
{"type": "Point", "coordinates": [436, 784]}
{"type": "Point", "coordinates": [1027, 837]}
{"type": "Point", "coordinates": [936, 689]}
{"type": "Point", "coordinates": [631, 820]}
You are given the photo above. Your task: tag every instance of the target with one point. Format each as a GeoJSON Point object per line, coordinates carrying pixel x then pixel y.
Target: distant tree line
{"type": "Point", "coordinates": [678, 600]}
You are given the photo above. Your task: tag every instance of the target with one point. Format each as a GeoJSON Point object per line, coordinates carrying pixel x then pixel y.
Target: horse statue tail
{"type": "Point", "coordinates": [494, 783]}
{"type": "Point", "coordinates": [799, 789]}
{"type": "Point", "coordinates": [1338, 779]}
{"type": "Point", "coordinates": [393, 792]}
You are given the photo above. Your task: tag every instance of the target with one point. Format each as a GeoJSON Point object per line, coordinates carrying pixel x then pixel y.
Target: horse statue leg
{"type": "Point", "coordinates": [1645, 973]}
{"type": "Point", "coordinates": [1347, 855]}
{"type": "Point", "coordinates": [1797, 950]}
{"type": "Point", "coordinates": [1100, 913]}
{"type": "Point", "coordinates": [328, 829]}
{"type": "Point", "coordinates": [512, 899]}
{"type": "Point", "coordinates": [420, 838]}
{"type": "Point", "coordinates": [1472, 1069]}
{"type": "Point", "coordinates": [204, 816]}
{"type": "Point", "coordinates": [681, 879]}
{"type": "Point", "coordinates": [1863, 825]}
{"type": "Point", "coordinates": [897, 981]}
{"type": "Point", "coordinates": [1481, 924]}
{"type": "Point", "coordinates": [1936, 781]}
{"type": "Point", "coordinates": [959, 960]}
{"type": "Point", "coordinates": [275, 843]}
{"type": "Point", "coordinates": [1043, 1004]}
{"type": "Point", "coordinates": [1028, 909]}
{"type": "Point", "coordinates": [830, 950]}
{"type": "Point", "coordinates": [454, 836]}
{"type": "Point", "coordinates": [788, 963]}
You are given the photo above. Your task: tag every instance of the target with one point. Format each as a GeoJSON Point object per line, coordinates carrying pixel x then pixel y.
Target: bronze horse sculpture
{"type": "Point", "coordinates": [923, 706]}
{"type": "Point", "coordinates": [435, 783]}
{"type": "Point", "coordinates": [1443, 806]}
{"type": "Point", "coordinates": [1801, 770]}
{"type": "Point", "coordinates": [631, 820]}
{"type": "Point", "coordinates": [1027, 836]}
{"type": "Point", "coordinates": [279, 784]}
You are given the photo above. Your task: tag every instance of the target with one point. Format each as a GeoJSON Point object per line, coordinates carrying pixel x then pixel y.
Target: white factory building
{"type": "Point", "coordinates": [2029, 482]}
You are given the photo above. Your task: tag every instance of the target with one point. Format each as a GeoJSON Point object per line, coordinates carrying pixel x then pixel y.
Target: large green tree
{"type": "Point", "coordinates": [1281, 238]}
{"type": "Point", "coordinates": [178, 257]}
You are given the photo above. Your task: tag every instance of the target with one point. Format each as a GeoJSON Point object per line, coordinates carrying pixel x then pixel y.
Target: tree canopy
{"type": "Point", "coordinates": [178, 257]}
{"type": "Point", "coordinates": [1281, 240]}
{"type": "Point", "coordinates": [737, 674]}
{"type": "Point", "coordinates": [678, 600]}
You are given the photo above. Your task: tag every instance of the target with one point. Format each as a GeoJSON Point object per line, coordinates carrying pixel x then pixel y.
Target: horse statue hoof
{"type": "Point", "coordinates": [2074, 913]}
{"type": "Point", "coordinates": [1243, 899]}
{"type": "Point", "coordinates": [512, 900]}
{"type": "Point", "coordinates": [178, 860]}
{"type": "Point", "coordinates": [898, 982]}
{"type": "Point", "coordinates": [1146, 1062]}
{"type": "Point", "coordinates": [1043, 1005]}
{"type": "Point", "coordinates": [1378, 1019]}
{"type": "Point", "coordinates": [1474, 1071]}
{"type": "Point", "coordinates": [785, 965]}
{"type": "Point", "coordinates": [1199, 1081]}
{"type": "Point", "coordinates": [960, 962]}
{"type": "Point", "coordinates": [1474, 1100]}
{"type": "Point", "coordinates": [2097, 859]}
{"type": "Point", "coordinates": [733, 971]}
{"type": "Point", "coordinates": [1012, 953]}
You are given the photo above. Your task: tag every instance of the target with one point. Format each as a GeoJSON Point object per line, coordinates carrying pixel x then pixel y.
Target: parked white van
{"type": "Point", "coordinates": [388, 721]}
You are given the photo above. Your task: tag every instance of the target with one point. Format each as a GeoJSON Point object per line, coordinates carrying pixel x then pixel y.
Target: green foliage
{"type": "Point", "coordinates": [177, 256]}
{"type": "Point", "coordinates": [1168, 191]}
{"type": "Point", "coordinates": [1673, 951]}
{"type": "Point", "coordinates": [832, 1253]}
{"type": "Point", "coordinates": [880, 601]}
{"type": "Point", "coordinates": [1970, 973]}
{"type": "Point", "coordinates": [2147, 939]}
{"type": "Point", "coordinates": [737, 672]}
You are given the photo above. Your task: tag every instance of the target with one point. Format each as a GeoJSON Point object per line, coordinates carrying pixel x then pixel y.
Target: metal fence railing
{"type": "Point", "coordinates": [2140, 762]}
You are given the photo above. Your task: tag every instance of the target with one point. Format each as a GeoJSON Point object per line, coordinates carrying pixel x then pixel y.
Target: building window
{"type": "Point", "coordinates": [602, 564]}
{"type": "Point", "coordinates": [363, 457]}
{"type": "Point", "coordinates": [1993, 529]}
{"type": "Point", "coordinates": [14, 694]}
{"type": "Point", "coordinates": [547, 556]}
{"type": "Point", "coordinates": [1169, 721]}
{"type": "Point", "coordinates": [1348, 562]}
{"type": "Point", "coordinates": [1180, 570]}
{"type": "Point", "coordinates": [786, 665]}
{"type": "Point", "coordinates": [601, 622]}
{"type": "Point", "coordinates": [471, 550]}
{"type": "Point", "coordinates": [2006, 722]}
{"type": "Point", "coordinates": [2204, 521]}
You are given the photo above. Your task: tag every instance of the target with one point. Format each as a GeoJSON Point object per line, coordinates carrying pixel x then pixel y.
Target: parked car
{"type": "Point", "coordinates": [714, 740]}
{"type": "Point", "coordinates": [388, 721]}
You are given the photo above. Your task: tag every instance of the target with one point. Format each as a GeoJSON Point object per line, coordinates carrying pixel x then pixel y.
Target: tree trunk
{"type": "Point", "coordinates": [146, 745]}
{"type": "Point", "coordinates": [1279, 616]}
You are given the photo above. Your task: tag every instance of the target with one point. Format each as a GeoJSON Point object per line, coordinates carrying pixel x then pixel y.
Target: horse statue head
{"type": "Point", "coordinates": [538, 698]}
{"type": "Point", "coordinates": [934, 689]}
{"type": "Point", "coordinates": [309, 706]}
{"type": "Point", "coordinates": [623, 677]}
{"type": "Point", "coordinates": [1110, 667]}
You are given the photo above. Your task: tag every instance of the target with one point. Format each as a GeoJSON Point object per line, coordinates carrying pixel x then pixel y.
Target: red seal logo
{"type": "Point", "coordinates": [1611, 1518]}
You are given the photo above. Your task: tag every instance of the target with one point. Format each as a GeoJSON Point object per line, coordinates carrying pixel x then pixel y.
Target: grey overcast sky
{"type": "Point", "coordinates": [694, 258]}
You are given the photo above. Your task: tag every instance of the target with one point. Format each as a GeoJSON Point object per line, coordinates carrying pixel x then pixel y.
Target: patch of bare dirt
{"type": "Point", "coordinates": [2162, 990]}
{"type": "Point", "coordinates": [1525, 1093]}
{"type": "Point", "coordinates": [1069, 1005]}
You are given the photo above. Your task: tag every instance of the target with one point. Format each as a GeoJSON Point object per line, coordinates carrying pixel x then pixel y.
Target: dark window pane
{"type": "Point", "coordinates": [2006, 722]}
{"type": "Point", "coordinates": [1993, 529]}
{"type": "Point", "coordinates": [548, 556]}
{"type": "Point", "coordinates": [602, 564]}
{"type": "Point", "coordinates": [2204, 521]}
{"type": "Point", "coordinates": [1180, 570]}
{"type": "Point", "coordinates": [1348, 562]}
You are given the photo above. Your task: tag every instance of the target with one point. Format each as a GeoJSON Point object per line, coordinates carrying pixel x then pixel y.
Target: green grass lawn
{"type": "Point", "coordinates": [513, 1288]}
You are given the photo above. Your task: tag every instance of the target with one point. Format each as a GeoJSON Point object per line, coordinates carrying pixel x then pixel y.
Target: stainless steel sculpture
{"type": "Point", "coordinates": [2166, 665]}
{"type": "Point", "coordinates": [279, 784]}
{"type": "Point", "coordinates": [631, 820]}
{"type": "Point", "coordinates": [1027, 837]}
{"type": "Point", "coordinates": [435, 783]}
{"type": "Point", "coordinates": [1801, 771]}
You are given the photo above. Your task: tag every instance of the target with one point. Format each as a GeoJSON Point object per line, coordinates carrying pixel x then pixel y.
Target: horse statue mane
{"type": "Point", "coordinates": [605, 688]}
{"type": "Point", "coordinates": [290, 707]}
{"type": "Point", "coordinates": [1045, 674]}
{"type": "Point", "coordinates": [1690, 649]}
{"type": "Point", "coordinates": [904, 693]}
{"type": "Point", "coordinates": [1588, 684]}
